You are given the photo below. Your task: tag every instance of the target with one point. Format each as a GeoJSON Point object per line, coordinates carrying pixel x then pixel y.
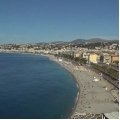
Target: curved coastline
{"type": "Point", "coordinates": [77, 83]}
{"type": "Point", "coordinates": [90, 93]}
{"type": "Point", "coordinates": [78, 87]}
{"type": "Point", "coordinates": [76, 94]}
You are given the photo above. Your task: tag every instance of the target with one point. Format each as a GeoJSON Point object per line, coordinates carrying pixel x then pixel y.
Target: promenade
{"type": "Point", "coordinates": [94, 96]}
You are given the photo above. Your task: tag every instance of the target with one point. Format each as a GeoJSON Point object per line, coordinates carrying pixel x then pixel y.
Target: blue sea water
{"type": "Point", "coordinates": [33, 87]}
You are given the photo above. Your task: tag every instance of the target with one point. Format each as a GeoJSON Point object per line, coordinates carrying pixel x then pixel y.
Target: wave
{"type": "Point", "coordinates": [77, 85]}
{"type": "Point", "coordinates": [76, 99]}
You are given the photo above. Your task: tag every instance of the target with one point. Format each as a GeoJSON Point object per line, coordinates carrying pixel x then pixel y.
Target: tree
{"type": "Point", "coordinates": [108, 71]}
{"type": "Point", "coordinates": [83, 60]}
{"type": "Point", "coordinates": [77, 59]}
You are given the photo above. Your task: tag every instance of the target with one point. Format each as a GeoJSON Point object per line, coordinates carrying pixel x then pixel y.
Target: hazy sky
{"type": "Point", "coordinates": [32, 21]}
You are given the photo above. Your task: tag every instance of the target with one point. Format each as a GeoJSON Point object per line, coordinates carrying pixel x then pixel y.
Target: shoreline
{"type": "Point", "coordinates": [92, 95]}
{"type": "Point", "coordinates": [75, 104]}
{"type": "Point", "coordinates": [78, 87]}
{"type": "Point", "coordinates": [78, 96]}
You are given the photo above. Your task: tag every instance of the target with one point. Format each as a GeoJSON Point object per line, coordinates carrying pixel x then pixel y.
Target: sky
{"type": "Point", "coordinates": [34, 21]}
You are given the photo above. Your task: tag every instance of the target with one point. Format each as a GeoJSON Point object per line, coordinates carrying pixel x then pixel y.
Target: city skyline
{"type": "Point", "coordinates": [36, 21]}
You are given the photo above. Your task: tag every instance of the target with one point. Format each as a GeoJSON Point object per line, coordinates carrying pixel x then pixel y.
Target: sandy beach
{"type": "Point", "coordinates": [94, 96]}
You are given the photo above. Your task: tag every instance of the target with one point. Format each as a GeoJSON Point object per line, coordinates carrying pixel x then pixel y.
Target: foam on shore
{"type": "Point", "coordinates": [77, 85]}
{"type": "Point", "coordinates": [76, 99]}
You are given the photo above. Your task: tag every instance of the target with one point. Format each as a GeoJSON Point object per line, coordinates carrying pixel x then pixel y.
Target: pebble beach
{"type": "Point", "coordinates": [94, 96]}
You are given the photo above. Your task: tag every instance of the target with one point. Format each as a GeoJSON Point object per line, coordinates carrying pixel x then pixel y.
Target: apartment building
{"type": "Point", "coordinates": [114, 58]}
{"type": "Point", "coordinates": [94, 58]}
{"type": "Point", "coordinates": [105, 58]}
{"type": "Point", "coordinates": [86, 56]}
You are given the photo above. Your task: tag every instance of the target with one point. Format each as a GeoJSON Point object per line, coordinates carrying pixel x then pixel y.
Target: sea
{"type": "Point", "coordinates": [33, 87]}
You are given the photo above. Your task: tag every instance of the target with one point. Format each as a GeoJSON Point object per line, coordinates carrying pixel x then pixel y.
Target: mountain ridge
{"type": "Point", "coordinates": [91, 40]}
{"type": "Point", "coordinates": [81, 41]}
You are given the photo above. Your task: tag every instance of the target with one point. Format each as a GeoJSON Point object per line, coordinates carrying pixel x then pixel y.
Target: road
{"type": "Point", "coordinates": [115, 67]}
{"type": "Point", "coordinates": [104, 75]}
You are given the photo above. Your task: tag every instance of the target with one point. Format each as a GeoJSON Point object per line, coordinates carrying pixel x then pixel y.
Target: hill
{"type": "Point", "coordinates": [93, 40]}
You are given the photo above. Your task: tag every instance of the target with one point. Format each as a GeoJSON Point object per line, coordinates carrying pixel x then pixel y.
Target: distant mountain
{"type": "Point", "coordinates": [79, 41]}
{"type": "Point", "coordinates": [97, 40]}
{"type": "Point", "coordinates": [92, 40]}
{"type": "Point", "coordinates": [41, 43]}
{"type": "Point", "coordinates": [59, 42]}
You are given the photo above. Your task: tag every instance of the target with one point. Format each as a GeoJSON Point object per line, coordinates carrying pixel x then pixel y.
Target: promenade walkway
{"type": "Point", "coordinates": [94, 98]}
